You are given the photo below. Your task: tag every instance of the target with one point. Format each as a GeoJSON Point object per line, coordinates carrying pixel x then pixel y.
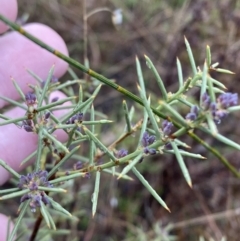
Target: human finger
{"type": "Point", "coordinates": [9, 9]}
{"type": "Point", "coordinates": [4, 227]}
{"type": "Point", "coordinates": [18, 53]}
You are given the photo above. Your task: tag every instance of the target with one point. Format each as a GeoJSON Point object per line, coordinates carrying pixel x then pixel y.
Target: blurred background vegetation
{"type": "Point", "coordinates": [126, 211]}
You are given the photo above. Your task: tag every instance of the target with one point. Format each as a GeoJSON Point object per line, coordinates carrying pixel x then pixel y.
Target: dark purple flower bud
{"type": "Point", "coordinates": [194, 109]}
{"type": "Point", "coordinates": [24, 198]}
{"type": "Point", "coordinates": [151, 139]}
{"type": "Point", "coordinates": [47, 115]}
{"type": "Point", "coordinates": [37, 199]}
{"type": "Point", "coordinates": [145, 139]}
{"type": "Point", "coordinates": [191, 116]}
{"type": "Point", "coordinates": [78, 165]}
{"type": "Point", "coordinates": [224, 101]}
{"type": "Point", "coordinates": [28, 128]}
{"type": "Point", "coordinates": [55, 99]}
{"type": "Point", "coordinates": [205, 97]}
{"type": "Point", "coordinates": [206, 101]}
{"type": "Point", "coordinates": [42, 180]}
{"type": "Point", "coordinates": [213, 108]}
{"type": "Point", "coordinates": [167, 127]}
{"type": "Point", "coordinates": [45, 200]}
{"type": "Point", "coordinates": [23, 181]}
{"type": "Point", "coordinates": [168, 146]}
{"type": "Point", "coordinates": [42, 173]}
{"type": "Point", "coordinates": [27, 125]}
{"type": "Point", "coordinates": [164, 123]}
{"type": "Point", "coordinates": [87, 175]}
{"type": "Point", "coordinates": [33, 186]}
{"type": "Point", "coordinates": [30, 176]}
{"type": "Point", "coordinates": [121, 153]}
{"type": "Point", "coordinates": [152, 151]}
{"type": "Point", "coordinates": [146, 150]}
{"type": "Point", "coordinates": [76, 118]}
{"type": "Point", "coordinates": [54, 79]}
{"type": "Point", "coordinates": [73, 119]}
{"type": "Point", "coordinates": [31, 99]}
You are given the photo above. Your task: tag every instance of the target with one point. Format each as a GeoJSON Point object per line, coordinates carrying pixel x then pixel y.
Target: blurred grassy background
{"type": "Point", "coordinates": [155, 28]}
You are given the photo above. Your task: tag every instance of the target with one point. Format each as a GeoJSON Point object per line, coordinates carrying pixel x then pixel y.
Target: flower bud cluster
{"type": "Point", "coordinates": [219, 109]}
{"type": "Point", "coordinates": [32, 181]}
{"type": "Point", "coordinates": [227, 100]}
{"type": "Point", "coordinates": [146, 141]}
{"type": "Point", "coordinates": [36, 199]}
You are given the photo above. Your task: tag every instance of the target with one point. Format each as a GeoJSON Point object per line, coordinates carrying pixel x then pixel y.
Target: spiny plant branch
{"type": "Point", "coordinates": [117, 87]}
